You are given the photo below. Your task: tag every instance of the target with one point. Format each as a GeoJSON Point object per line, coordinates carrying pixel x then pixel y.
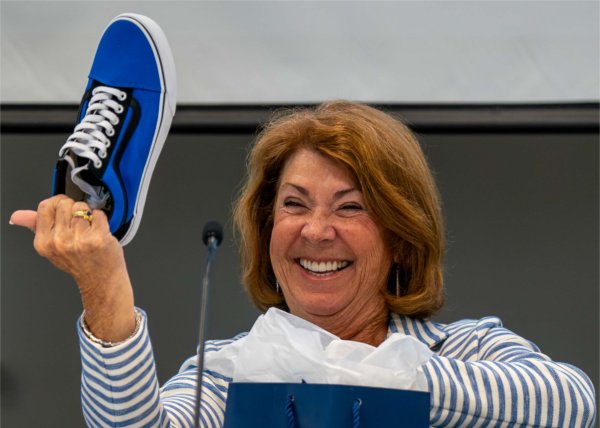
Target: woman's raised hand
{"type": "Point", "coordinates": [85, 249]}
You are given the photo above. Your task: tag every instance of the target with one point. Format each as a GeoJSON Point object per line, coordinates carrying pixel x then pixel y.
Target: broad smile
{"type": "Point", "coordinates": [323, 268]}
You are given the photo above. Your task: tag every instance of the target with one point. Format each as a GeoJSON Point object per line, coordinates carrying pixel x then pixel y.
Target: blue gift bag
{"type": "Point", "coordinates": [302, 405]}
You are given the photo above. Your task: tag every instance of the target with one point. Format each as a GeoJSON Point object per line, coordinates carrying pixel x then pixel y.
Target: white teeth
{"type": "Point", "coordinates": [323, 267]}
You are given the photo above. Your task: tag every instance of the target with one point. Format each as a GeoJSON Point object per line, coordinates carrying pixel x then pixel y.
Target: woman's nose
{"type": "Point", "coordinates": [318, 228]}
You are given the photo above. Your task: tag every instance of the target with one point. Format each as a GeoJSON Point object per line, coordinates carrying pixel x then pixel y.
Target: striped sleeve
{"type": "Point", "coordinates": [485, 375]}
{"type": "Point", "coordinates": [119, 387]}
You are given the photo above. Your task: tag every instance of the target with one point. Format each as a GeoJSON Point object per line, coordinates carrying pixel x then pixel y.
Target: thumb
{"type": "Point", "coordinates": [24, 218]}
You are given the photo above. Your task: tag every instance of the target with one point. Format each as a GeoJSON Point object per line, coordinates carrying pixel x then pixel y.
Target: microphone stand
{"type": "Point", "coordinates": [212, 237]}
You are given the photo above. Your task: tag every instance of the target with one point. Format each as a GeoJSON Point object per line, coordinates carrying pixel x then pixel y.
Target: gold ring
{"type": "Point", "coordinates": [84, 214]}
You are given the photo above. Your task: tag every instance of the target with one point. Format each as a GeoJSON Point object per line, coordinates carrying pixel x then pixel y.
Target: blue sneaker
{"type": "Point", "coordinates": [124, 119]}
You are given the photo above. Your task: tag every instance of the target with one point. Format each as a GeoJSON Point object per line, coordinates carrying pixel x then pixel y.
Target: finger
{"type": "Point", "coordinates": [98, 234]}
{"type": "Point", "coordinates": [100, 222]}
{"type": "Point", "coordinates": [46, 213]}
{"type": "Point", "coordinates": [64, 213]}
{"type": "Point", "coordinates": [24, 218]}
{"type": "Point", "coordinates": [80, 224]}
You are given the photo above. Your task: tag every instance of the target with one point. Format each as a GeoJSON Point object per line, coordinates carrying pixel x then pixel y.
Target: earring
{"type": "Point", "coordinates": [397, 281]}
{"type": "Point", "coordinates": [277, 286]}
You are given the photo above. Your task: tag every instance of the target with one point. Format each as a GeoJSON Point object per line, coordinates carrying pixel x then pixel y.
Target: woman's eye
{"type": "Point", "coordinates": [351, 207]}
{"type": "Point", "coordinates": [292, 203]}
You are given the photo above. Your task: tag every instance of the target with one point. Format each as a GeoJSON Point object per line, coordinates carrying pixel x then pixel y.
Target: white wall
{"type": "Point", "coordinates": [271, 52]}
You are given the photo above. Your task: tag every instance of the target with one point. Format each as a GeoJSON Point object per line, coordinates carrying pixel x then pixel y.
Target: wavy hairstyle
{"type": "Point", "coordinates": [387, 163]}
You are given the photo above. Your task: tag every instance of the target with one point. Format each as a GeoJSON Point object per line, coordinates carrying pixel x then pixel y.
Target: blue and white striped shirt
{"type": "Point", "coordinates": [480, 375]}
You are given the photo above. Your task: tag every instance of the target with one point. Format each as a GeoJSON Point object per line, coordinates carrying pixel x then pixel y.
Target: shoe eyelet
{"type": "Point", "coordinates": [116, 122]}
{"type": "Point", "coordinates": [98, 165]}
{"type": "Point", "coordinates": [123, 96]}
{"type": "Point", "coordinates": [120, 109]}
{"type": "Point", "coordinates": [102, 154]}
{"type": "Point", "coordinates": [110, 132]}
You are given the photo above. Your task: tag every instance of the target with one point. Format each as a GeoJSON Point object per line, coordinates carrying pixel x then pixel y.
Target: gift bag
{"type": "Point", "coordinates": [302, 405]}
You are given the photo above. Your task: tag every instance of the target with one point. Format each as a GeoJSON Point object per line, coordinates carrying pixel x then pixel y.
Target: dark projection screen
{"type": "Point", "coordinates": [522, 231]}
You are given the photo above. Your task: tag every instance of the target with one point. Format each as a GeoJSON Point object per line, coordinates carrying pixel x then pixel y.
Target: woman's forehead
{"type": "Point", "coordinates": [306, 165]}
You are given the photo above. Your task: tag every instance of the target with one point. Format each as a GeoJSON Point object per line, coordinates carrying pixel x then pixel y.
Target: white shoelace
{"type": "Point", "coordinates": [90, 139]}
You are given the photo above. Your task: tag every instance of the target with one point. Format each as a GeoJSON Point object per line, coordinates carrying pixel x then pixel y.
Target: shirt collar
{"type": "Point", "coordinates": [430, 333]}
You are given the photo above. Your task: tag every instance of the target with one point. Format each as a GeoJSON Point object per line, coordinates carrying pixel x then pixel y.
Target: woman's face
{"type": "Point", "coordinates": [327, 252]}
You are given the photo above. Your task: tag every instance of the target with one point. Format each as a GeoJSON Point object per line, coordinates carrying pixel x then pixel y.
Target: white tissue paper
{"type": "Point", "coordinates": [281, 347]}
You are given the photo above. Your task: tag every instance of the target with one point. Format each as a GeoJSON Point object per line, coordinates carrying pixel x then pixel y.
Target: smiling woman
{"type": "Point", "coordinates": [356, 244]}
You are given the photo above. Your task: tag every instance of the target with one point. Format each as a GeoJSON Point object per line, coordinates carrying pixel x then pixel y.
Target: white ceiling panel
{"type": "Point", "coordinates": [289, 52]}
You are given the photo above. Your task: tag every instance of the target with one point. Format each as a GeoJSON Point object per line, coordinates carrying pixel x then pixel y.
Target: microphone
{"type": "Point", "coordinates": [212, 231]}
{"type": "Point", "coordinates": [212, 236]}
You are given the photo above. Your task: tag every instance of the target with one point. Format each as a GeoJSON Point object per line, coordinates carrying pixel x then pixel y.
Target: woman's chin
{"type": "Point", "coordinates": [317, 306]}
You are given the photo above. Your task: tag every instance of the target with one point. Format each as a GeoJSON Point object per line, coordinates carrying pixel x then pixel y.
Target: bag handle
{"type": "Point", "coordinates": [289, 412]}
{"type": "Point", "coordinates": [356, 413]}
{"type": "Point", "coordinates": [291, 417]}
